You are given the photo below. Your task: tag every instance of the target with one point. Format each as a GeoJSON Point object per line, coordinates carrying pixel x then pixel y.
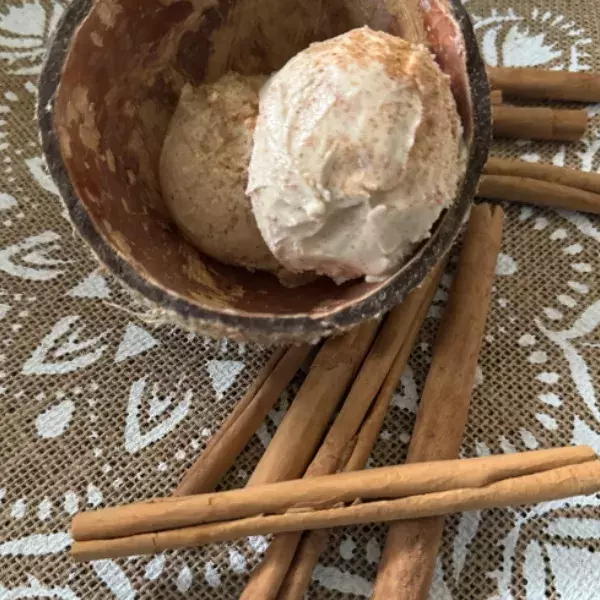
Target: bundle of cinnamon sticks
{"type": "Point", "coordinates": [544, 185]}
{"type": "Point", "coordinates": [540, 123]}
{"type": "Point", "coordinates": [356, 375]}
{"type": "Point", "coordinates": [312, 476]}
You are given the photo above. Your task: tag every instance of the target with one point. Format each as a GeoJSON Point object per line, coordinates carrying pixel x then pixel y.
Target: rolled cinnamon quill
{"type": "Point", "coordinates": [550, 173]}
{"type": "Point", "coordinates": [298, 435]}
{"type": "Point", "coordinates": [534, 123]}
{"type": "Point", "coordinates": [411, 548]}
{"type": "Point", "coordinates": [496, 97]}
{"type": "Point", "coordinates": [571, 480]}
{"type": "Point", "coordinates": [546, 85]}
{"type": "Point", "coordinates": [225, 446]}
{"type": "Point", "coordinates": [534, 191]}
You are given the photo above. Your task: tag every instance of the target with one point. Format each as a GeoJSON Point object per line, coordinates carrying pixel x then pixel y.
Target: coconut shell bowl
{"type": "Point", "coordinates": [109, 86]}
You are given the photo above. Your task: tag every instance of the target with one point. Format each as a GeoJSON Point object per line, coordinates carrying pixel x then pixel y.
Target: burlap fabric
{"type": "Point", "coordinates": [100, 407]}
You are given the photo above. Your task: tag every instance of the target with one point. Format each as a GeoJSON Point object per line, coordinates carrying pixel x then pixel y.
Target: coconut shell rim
{"type": "Point", "coordinates": [249, 326]}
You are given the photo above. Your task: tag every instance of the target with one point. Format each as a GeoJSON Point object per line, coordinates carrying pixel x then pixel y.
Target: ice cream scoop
{"type": "Point", "coordinates": [358, 148]}
{"type": "Point", "coordinates": [203, 171]}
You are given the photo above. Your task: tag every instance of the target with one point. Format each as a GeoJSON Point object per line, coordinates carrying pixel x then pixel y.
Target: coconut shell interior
{"type": "Point", "coordinates": [116, 69]}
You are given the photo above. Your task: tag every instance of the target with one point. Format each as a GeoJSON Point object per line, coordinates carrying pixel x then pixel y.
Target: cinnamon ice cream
{"type": "Point", "coordinates": [203, 170]}
{"type": "Point", "coordinates": [358, 148]}
{"type": "Point", "coordinates": [203, 173]}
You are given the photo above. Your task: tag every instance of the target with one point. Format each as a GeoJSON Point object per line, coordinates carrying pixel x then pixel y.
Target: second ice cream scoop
{"type": "Point", "coordinates": [357, 150]}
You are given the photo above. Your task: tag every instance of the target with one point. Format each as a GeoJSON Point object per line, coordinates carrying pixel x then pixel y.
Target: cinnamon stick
{"type": "Point", "coordinates": [301, 430]}
{"type": "Point", "coordinates": [294, 443]}
{"type": "Point", "coordinates": [303, 425]}
{"type": "Point", "coordinates": [385, 482]}
{"type": "Point", "coordinates": [496, 97]}
{"type": "Point", "coordinates": [561, 175]}
{"type": "Point", "coordinates": [369, 431]}
{"type": "Point", "coordinates": [538, 123]}
{"type": "Point", "coordinates": [561, 482]}
{"type": "Point", "coordinates": [546, 85]}
{"type": "Point", "coordinates": [224, 447]}
{"type": "Point", "coordinates": [267, 579]}
{"type": "Point", "coordinates": [411, 547]}
{"type": "Point", "coordinates": [314, 543]}
{"type": "Point", "coordinates": [535, 191]}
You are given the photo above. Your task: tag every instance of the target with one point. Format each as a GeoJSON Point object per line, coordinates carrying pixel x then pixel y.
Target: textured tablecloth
{"type": "Point", "coordinates": [98, 406]}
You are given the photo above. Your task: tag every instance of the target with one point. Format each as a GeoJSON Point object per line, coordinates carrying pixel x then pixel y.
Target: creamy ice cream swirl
{"type": "Point", "coordinates": [357, 150]}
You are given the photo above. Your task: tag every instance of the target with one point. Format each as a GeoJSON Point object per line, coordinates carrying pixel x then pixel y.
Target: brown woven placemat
{"type": "Point", "coordinates": [100, 407]}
